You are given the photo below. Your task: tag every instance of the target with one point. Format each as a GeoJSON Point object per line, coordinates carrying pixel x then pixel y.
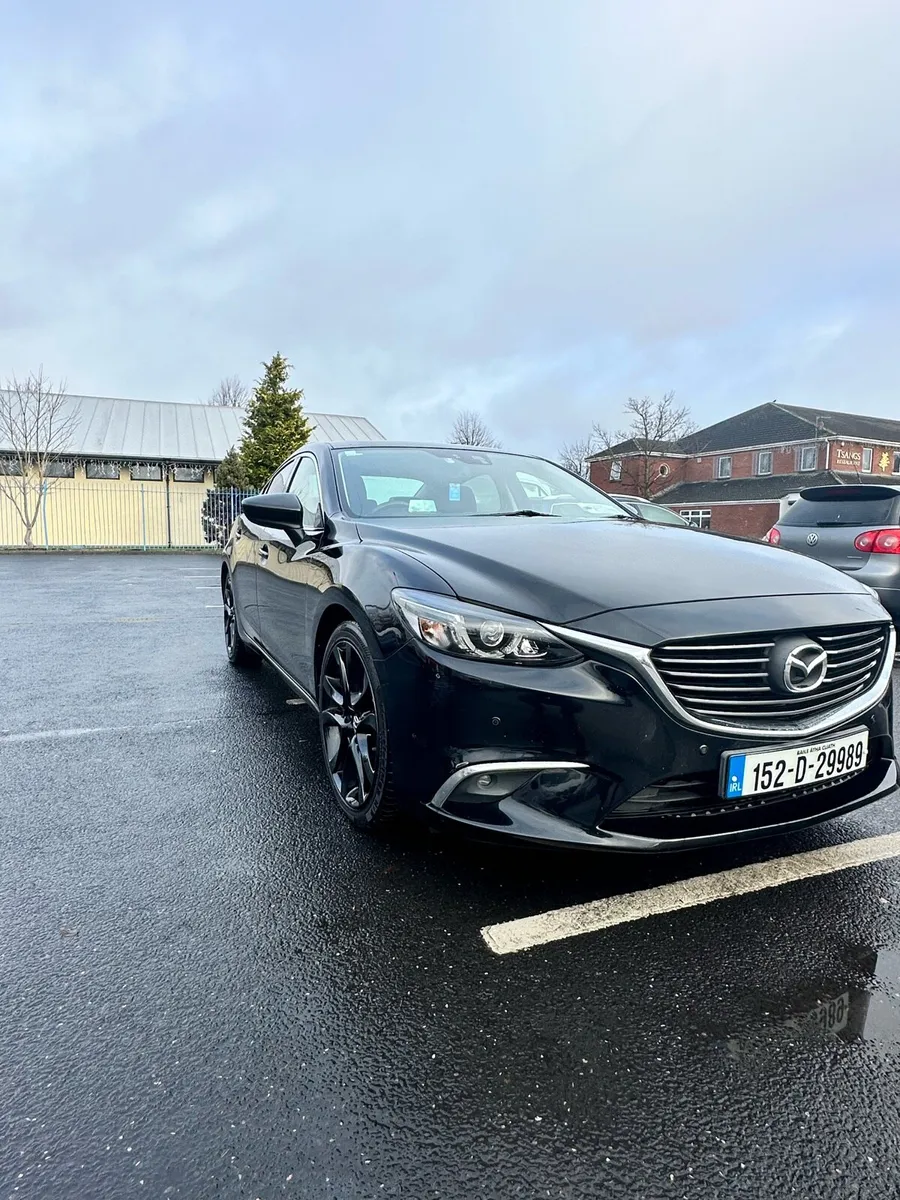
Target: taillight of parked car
{"type": "Point", "coordinates": [773, 537]}
{"type": "Point", "coordinates": [879, 541]}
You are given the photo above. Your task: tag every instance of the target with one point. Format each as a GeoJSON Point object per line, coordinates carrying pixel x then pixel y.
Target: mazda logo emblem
{"type": "Point", "coordinates": [797, 665]}
{"type": "Point", "coordinates": [811, 539]}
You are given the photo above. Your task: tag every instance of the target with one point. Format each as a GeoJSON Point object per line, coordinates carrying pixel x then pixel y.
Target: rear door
{"type": "Point", "coordinates": [826, 521]}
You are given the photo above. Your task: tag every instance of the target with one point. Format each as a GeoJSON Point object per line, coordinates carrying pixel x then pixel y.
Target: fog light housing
{"type": "Point", "coordinates": [492, 785]}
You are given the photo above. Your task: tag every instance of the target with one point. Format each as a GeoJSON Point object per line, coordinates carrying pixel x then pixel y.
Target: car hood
{"type": "Point", "coordinates": [566, 571]}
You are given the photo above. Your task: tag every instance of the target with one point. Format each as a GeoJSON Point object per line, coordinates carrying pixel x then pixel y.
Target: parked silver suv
{"type": "Point", "coordinates": [854, 527]}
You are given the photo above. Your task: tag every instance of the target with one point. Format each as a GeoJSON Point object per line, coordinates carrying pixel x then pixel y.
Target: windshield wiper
{"type": "Point", "coordinates": [522, 512]}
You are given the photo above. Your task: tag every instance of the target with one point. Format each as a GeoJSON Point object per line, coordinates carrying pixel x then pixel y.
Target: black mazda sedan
{"type": "Point", "coordinates": [491, 640]}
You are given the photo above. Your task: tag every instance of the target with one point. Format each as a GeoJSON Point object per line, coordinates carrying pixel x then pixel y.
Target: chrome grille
{"type": "Point", "coordinates": [725, 679]}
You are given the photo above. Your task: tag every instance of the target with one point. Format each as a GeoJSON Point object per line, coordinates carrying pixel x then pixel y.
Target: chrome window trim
{"type": "Point", "coordinates": [638, 657]}
{"type": "Point", "coordinates": [449, 786]}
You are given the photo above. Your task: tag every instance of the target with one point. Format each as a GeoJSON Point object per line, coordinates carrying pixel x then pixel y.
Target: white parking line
{"type": "Point", "coordinates": [512, 936]}
{"type": "Point", "coordinates": [49, 735]}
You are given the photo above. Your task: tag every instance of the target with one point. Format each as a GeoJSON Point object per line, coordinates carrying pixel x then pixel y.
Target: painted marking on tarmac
{"type": "Point", "coordinates": [44, 735]}
{"type": "Point", "coordinates": [509, 937]}
{"type": "Point", "coordinates": [38, 735]}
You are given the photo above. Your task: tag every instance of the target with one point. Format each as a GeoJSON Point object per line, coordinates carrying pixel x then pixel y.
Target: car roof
{"type": "Point", "coordinates": [635, 499]}
{"type": "Point", "coordinates": [851, 491]}
{"type": "Point", "coordinates": [387, 445]}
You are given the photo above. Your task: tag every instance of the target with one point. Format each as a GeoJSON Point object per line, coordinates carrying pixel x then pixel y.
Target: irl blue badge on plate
{"type": "Point", "coordinates": [736, 775]}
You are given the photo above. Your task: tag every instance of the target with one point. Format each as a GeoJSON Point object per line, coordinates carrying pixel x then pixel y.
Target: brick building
{"type": "Point", "coordinates": [739, 475]}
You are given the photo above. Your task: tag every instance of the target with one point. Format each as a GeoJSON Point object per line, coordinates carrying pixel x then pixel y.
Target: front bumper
{"type": "Point", "coordinates": [586, 755]}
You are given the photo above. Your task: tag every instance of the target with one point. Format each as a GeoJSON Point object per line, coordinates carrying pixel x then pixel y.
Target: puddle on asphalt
{"type": "Point", "coordinates": [864, 1006]}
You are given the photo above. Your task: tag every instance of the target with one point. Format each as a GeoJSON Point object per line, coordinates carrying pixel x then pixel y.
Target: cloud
{"type": "Point", "coordinates": [535, 210]}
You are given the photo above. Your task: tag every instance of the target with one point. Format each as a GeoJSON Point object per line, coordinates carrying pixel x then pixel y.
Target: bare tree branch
{"type": "Point", "coordinates": [470, 429]}
{"type": "Point", "coordinates": [656, 426]}
{"type": "Point", "coordinates": [231, 392]}
{"type": "Point", "coordinates": [573, 456]}
{"type": "Point", "coordinates": [37, 421]}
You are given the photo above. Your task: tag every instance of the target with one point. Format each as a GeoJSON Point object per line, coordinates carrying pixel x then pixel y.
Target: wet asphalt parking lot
{"type": "Point", "coordinates": [213, 987]}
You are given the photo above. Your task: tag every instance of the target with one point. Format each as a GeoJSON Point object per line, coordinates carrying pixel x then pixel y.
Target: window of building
{"type": "Point", "coordinates": [282, 477]}
{"type": "Point", "coordinates": [615, 469]}
{"type": "Point", "coordinates": [189, 474]}
{"type": "Point", "coordinates": [808, 458]}
{"type": "Point", "coordinates": [10, 466]}
{"type": "Point", "coordinates": [723, 467]}
{"type": "Point", "coordinates": [146, 472]}
{"type": "Point", "coordinates": [60, 469]}
{"type": "Point", "coordinates": [305, 485]}
{"type": "Point", "coordinates": [102, 470]}
{"type": "Point", "coordinates": [764, 462]}
{"type": "Point", "coordinates": [698, 517]}
{"type": "Point", "coordinates": [664, 470]}
{"type": "Point", "coordinates": [867, 459]}
{"type": "Point", "coordinates": [896, 468]}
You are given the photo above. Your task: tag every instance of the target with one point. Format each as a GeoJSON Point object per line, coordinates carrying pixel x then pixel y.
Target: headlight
{"type": "Point", "coordinates": [470, 631]}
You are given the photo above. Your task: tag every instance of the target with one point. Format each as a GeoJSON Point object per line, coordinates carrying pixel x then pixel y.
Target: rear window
{"type": "Point", "coordinates": [839, 512]}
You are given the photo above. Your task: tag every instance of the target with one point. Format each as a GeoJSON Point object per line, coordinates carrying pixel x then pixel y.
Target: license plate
{"type": "Point", "coordinates": [830, 1016]}
{"type": "Point", "coordinates": [778, 768]}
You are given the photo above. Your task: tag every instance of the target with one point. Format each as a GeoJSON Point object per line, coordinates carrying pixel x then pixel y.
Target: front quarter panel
{"type": "Point", "coordinates": [360, 578]}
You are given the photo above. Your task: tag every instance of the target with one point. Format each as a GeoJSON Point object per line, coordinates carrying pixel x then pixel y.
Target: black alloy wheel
{"type": "Point", "coordinates": [353, 728]}
{"type": "Point", "coordinates": [239, 653]}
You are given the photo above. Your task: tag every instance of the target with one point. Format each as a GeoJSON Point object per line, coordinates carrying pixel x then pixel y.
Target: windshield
{"type": "Point", "coordinates": [818, 513]}
{"type": "Point", "coordinates": [420, 481]}
{"type": "Point", "coordinates": [658, 514]}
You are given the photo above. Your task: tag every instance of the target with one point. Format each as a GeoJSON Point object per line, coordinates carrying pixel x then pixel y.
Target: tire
{"type": "Point", "coordinates": [353, 731]}
{"type": "Point", "coordinates": [239, 653]}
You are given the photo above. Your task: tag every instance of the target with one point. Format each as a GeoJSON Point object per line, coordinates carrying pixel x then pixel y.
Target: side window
{"type": "Point", "coordinates": [282, 477]}
{"type": "Point", "coordinates": [533, 487]}
{"type": "Point", "coordinates": [305, 484]}
{"type": "Point", "coordinates": [486, 493]}
{"type": "Point", "coordinates": [381, 488]}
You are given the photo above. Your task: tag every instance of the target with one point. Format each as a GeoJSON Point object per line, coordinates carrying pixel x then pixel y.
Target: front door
{"type": "Point", "coordinates": [244, 556]}
{"type": "Point", "coordinates": [288, 576]}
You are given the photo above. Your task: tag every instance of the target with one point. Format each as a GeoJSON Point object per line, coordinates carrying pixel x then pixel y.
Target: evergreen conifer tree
{"type": "Point", "coordinates": [275, 426]}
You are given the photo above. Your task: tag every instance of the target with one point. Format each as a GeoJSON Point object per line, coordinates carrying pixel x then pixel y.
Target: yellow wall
{"type": "Point", "coordinates": [111, 512]}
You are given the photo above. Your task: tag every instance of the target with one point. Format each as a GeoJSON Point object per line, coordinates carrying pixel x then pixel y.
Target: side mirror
{"type": "Point", "coordinates": [275, 510]}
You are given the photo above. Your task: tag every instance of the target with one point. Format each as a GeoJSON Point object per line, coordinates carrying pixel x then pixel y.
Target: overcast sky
{"type": "Point", "coordinates": [531, 207]}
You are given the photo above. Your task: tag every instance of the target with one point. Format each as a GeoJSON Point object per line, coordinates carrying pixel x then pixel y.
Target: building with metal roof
{"type": "Point", "coordinates": [135, 473]}
{"type": "Point", "coordinates": [157, 431]}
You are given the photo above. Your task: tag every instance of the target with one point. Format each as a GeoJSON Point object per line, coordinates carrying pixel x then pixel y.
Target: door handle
{"type": "Point", "coordinates": [263, 552]}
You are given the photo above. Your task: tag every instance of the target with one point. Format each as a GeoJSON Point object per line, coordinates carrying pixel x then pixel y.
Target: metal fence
{"type": "Point", "coordinates": [120, 514]}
